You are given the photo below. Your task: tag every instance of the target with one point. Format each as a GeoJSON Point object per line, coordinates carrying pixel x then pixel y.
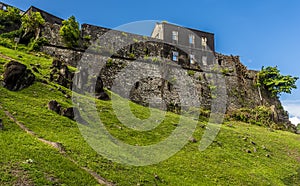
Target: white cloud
{"type": "Point", "coordinates": [293, 107]}
{"type": "Point", "coordinates": [295, 120]}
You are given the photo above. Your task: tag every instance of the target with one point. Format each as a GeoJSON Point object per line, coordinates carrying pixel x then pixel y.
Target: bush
{"type": "Point", "coordinates": [109, 62]}
{"type": "Point", "coordinates": [12, 35]}
{"type": "Point", "coordinates": [35, 45]}
{"type": "Point", "coordinates": [260, 115]}
{"type": "Point", "coordinates": [10, 19]}
{"type": "Point", "coordinates": [191, 72]}
{"type": "Point", "coordinates": [70, 32]}
{"type": "Point", "coordinates": [8, 43]}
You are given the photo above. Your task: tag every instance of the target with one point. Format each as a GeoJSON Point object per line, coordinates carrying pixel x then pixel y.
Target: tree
{"type": "Point", "coordinates": [32, 23]}
{"type": "Point", "coordinates": [271, 79]}
{"type": "Point", "coordinates": [10, 19]}
{"type": "Point", "coordinates": [70, 32]}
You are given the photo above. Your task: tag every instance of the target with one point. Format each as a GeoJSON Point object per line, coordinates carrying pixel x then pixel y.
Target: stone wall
{"type": "Point", "coordinates": [115, 51]}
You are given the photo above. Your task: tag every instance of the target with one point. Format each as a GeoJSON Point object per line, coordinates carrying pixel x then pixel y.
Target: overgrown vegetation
{"type": "Point", "coordinates": [9, 19]}
{"type": "Point", "coordinates": [260, 115]}
{"type": "Point", "coordinates": [31, 25]}
{"type": "Point", "coordinates": [276, 83]}
{"type": "Point", "coordinates": [70, 32]}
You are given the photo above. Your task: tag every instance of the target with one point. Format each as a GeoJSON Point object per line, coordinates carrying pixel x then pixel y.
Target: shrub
{"type": "Point", "coordinates": [12, 34]}
{"type": "Point", "coordinates": [35, 45]}
{"type": "Point", "coordinates": [191, 72]}
{"type": "Point", "coordinates": [109, 62]}
{"type": "Point", "coordinates": [131, 55]}
{"type": "Point", "coordinates": [70, 32]}
{"type": "Point", "coordinates": [260, 115]}
{"type": "Point", "coordinates": [8, 43]}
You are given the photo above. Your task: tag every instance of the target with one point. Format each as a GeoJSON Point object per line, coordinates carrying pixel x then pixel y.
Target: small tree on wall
{"type": "Point", "coordinates": [271, 79]}
{"type": "Point", "coordinates": [32, 23]}
{"type": "Point", "coordinates": [70, 32]}
{"type": "Point", "coordinates": [9, 18]}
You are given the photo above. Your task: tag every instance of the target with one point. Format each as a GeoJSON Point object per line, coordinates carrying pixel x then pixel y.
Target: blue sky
{"type": "Point", "coordinates": [261, 32]}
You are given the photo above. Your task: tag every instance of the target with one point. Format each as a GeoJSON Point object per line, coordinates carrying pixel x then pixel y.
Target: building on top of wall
{"type": "Point", "coordinates": [198, 46]}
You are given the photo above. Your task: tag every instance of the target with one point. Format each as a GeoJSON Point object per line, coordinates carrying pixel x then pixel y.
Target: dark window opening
{"type": "Point", "coordinates": [220, 61]}
{"type": "Point", "coordinates": [131, 49]}
{"type": "Point", "coordinates": [147, 51]}
{"type": "Point", "coordinates": [137, 85]}
{"type": "Point", "coordinates": [170, 86]}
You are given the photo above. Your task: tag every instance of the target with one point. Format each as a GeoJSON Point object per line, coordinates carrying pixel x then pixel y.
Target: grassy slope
{"type": "Point", "coordinates": [225, 162]}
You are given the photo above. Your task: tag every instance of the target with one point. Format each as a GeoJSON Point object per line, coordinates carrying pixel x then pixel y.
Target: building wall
{"type": "Point", "coordinates": [197, 45]}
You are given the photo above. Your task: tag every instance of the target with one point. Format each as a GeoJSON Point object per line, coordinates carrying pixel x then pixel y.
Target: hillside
{"type": "Point", "coordinates": [242, 154]}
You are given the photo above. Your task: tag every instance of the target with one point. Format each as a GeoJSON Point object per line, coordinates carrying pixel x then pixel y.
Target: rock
{"type": "Point", "coordinates": [61, 74]}
{"type": "Point", "coordinates": [17, 76]}
{"type": "Point", "coordinates": [230, 125]}
{"type": "Point", "coordinates": [69, 113]}
{"type": "Point", "coordinates": [193, 140]}
{"type": "Point", "coordinates": [102, 96]}
{"type": "Point", "coordinates": [56, 63]}
{"type": "Point", "coordinates": [1, 125]}
{"type": "Point", "coordinates": [156, 177]}
{"type": "Point", "coordinates": [73, 113]}
{"type": "Point", "coordinates": [99, 85]}
{"type": "Point", "coordinates": [254, 149]}
{"type": "Point", "coordinates": [54, 106]}
{"type": "Point", "coordinates": [67, 96]}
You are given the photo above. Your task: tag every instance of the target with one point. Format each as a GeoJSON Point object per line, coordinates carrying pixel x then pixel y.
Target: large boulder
{"type": "Point", "coordinates": [99, 91]}
{"type": "Point", "coordinates": [61, 74]}
{"type": "Point", "coordinates": [69, 112]}
{"type": "Point", "coordinates": [54, 106]}
{"type": "Point", "coordinates": [17, 76]}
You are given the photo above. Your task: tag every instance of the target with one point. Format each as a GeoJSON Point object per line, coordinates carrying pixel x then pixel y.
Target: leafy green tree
{"type": "Point", "coordinates": [32, 23]}
{"type": "Point", "coordinates": [271, 79]}
{"type": "Point", "coordinates": [70, 32]}
{"type": "Point", "coordinates": [10, 19]}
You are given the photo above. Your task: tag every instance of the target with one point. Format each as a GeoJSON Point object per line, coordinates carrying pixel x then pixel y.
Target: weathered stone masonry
{"type": "Point", "coordinates": [239, 80]}
{"type": "Point", "coordinates": [115, 54]}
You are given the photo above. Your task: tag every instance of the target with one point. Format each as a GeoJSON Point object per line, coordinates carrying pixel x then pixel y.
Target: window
{"type": "Point", "coordinates": [204, 60]}
{"type": "Point", "coordinates": [204, 42]}
{"type": "Point", "coordinates": [220, 61]}
{"type": "Point", "coordinates": [175, 36]}
{"type": "Point", "coordinates": [157, 36]}
{"type": "Point", "coordinates": [4, 7]}
{"type": "Point", "coordinates": [175, 56]}
{"type": "Point", "coordinates": [192, 39]}
{"type": "Point", "coordinates": [192, 59]}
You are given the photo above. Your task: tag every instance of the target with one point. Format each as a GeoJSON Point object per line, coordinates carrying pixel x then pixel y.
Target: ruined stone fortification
{"type": "Point", "coordinates": [115, 54]}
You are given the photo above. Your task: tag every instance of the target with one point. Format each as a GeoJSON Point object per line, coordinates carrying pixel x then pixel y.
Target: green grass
{"type": "Point", "coordinates": [225, 162]}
